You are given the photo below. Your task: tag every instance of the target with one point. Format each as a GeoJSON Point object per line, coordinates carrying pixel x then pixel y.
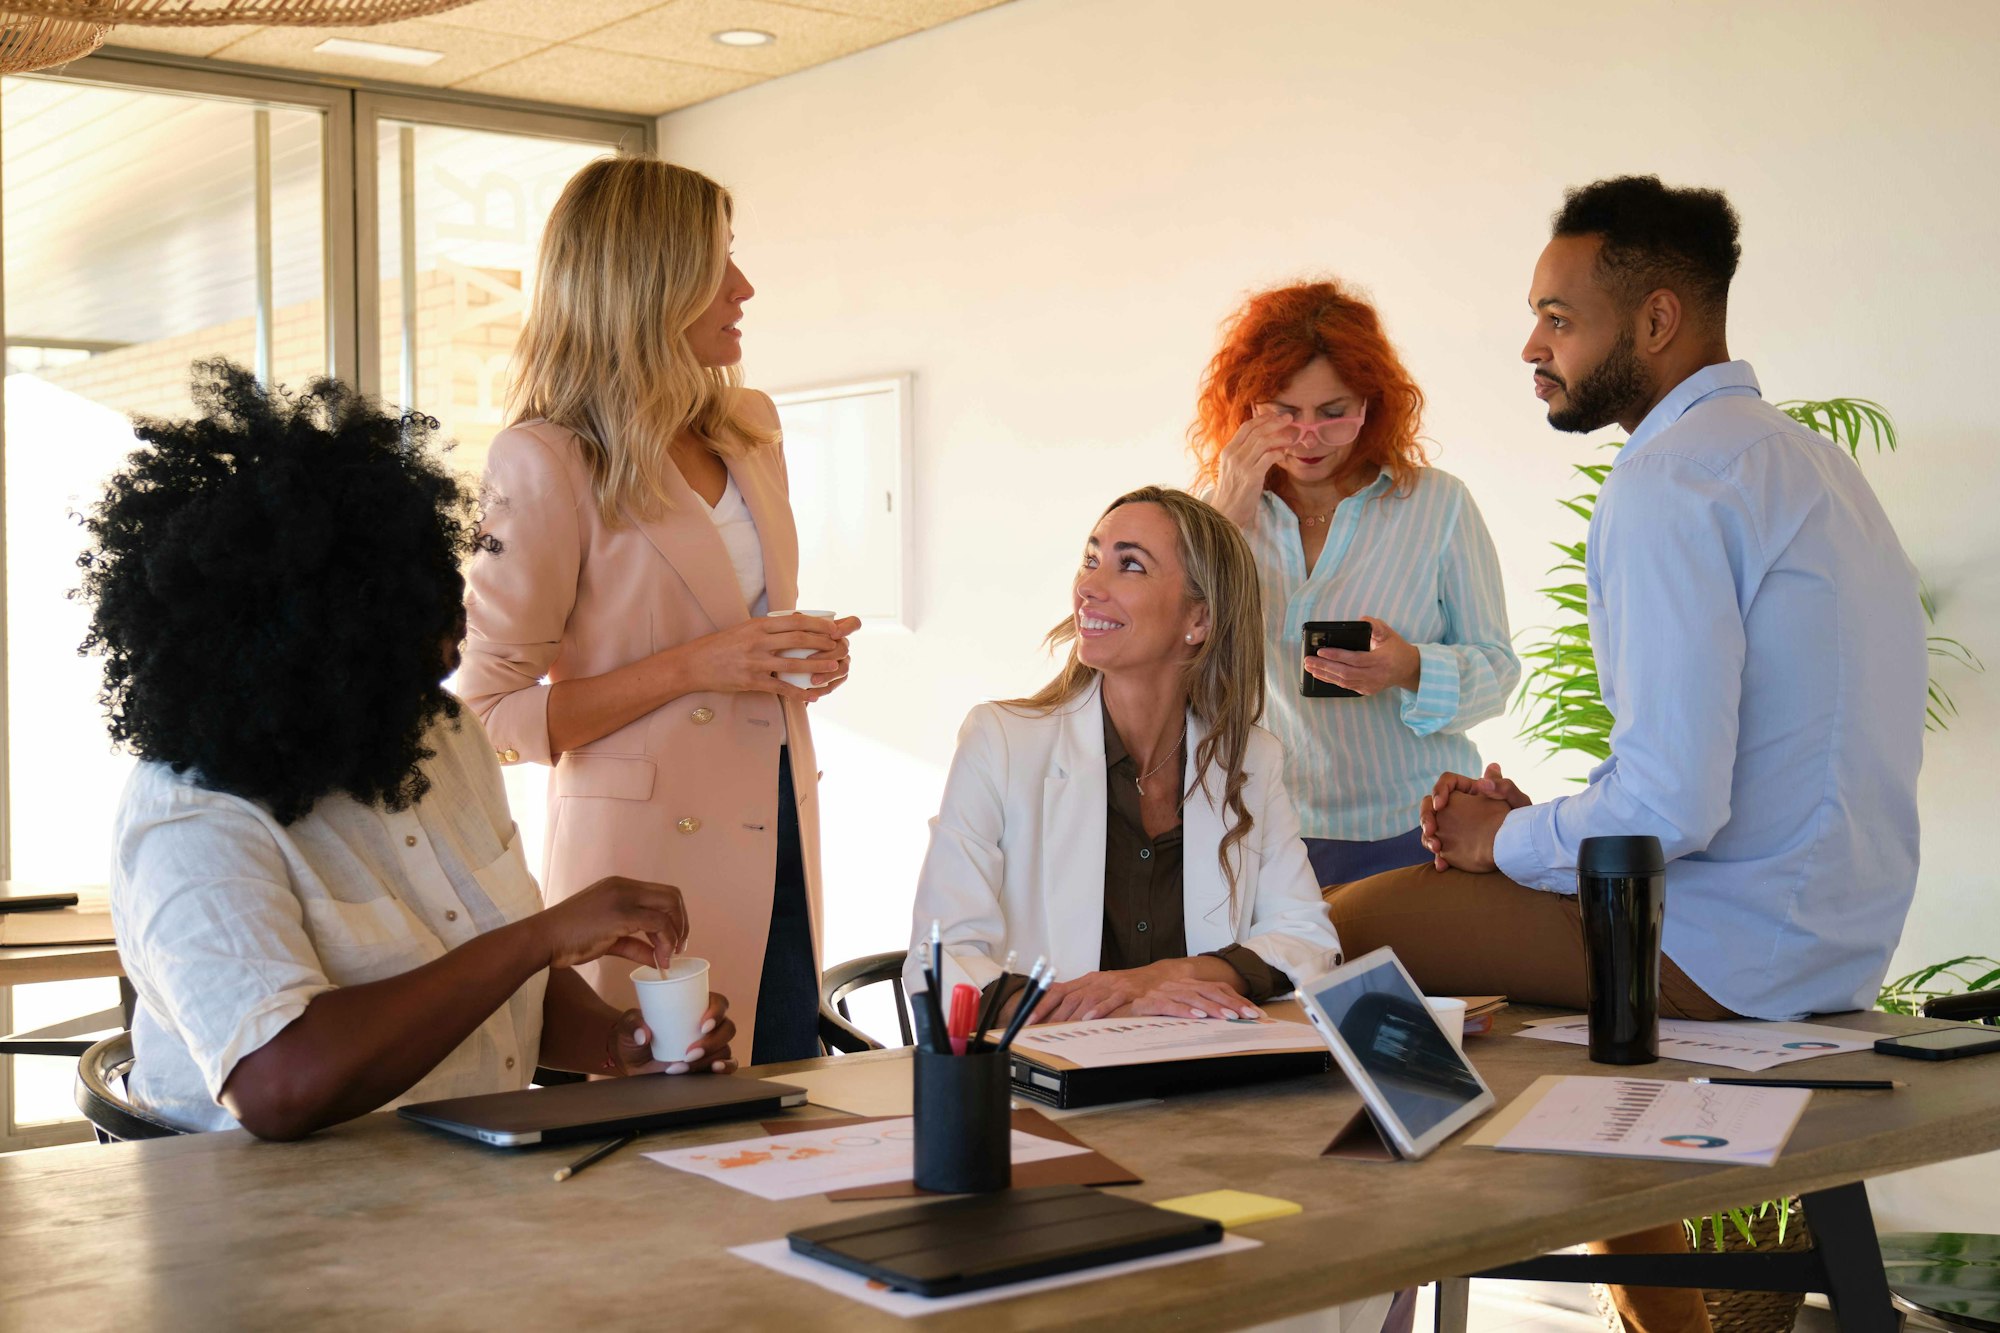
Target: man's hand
{"type": "Point", "coordinates": [1462, 816]}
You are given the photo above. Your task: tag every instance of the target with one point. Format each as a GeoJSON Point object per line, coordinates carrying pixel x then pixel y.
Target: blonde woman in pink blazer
{"type": "Point", "coordinates": [619, 633]}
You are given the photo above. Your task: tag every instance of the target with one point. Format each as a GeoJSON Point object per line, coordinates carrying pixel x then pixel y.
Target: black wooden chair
{"type": "Point", "coordinates": [100, 1072]}
{"type": "Point", "coordinates": [1949, 1276]}
{"type": "Point", "coordinates": [836, 1028]}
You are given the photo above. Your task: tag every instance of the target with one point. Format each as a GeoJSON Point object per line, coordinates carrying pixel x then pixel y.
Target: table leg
{"type": "Point", "coordinates": [1454, 1299]}
{"type": "Point", "coordinates": [128, 999]}
{"type": "Point", "coordinates": [1856, 1285]}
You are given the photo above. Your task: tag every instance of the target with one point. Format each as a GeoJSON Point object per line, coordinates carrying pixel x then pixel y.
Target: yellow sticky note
{"type": "Point", "coordinates": [1232, 1208]}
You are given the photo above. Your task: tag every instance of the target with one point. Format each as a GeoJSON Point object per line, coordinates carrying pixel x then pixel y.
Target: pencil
{"type": "Point", "coordinates": [597, 1154]}
{"type": "Point", "coordinates": [1833, 1084]}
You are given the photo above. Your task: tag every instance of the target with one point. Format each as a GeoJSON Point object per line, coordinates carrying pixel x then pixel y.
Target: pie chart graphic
{"type": "Point", "coordinates": [1694, 1141]}
{"type": "Point", "coordinates": [1811, 1046]}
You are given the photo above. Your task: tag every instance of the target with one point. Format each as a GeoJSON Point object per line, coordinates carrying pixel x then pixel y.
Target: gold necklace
{"type": "Point", "coordinates": [1310, 520]}
{"type": "Point", "coordinates": [1140, 781]}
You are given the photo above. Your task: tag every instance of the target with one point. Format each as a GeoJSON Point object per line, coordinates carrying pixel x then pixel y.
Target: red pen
{"type": "Point", "coordinates": [964, 1013]}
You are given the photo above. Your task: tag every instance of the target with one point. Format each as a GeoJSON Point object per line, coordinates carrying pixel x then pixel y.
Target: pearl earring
{"type": "Point", "coordinates": [1190, 638]}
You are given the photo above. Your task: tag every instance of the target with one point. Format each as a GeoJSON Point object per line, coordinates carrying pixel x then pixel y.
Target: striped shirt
{"type": "Point", "coordinates": [1424, 564]}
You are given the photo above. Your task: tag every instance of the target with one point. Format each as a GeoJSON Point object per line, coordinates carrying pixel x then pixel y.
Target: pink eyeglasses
{"type": "Point", "coordinates": [1345, 431]}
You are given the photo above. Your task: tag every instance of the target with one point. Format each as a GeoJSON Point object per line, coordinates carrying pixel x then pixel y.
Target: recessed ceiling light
{"type": "Point", "coordinates": [394, 55]}
{"type": "Point", "coordinates": [744, 37]}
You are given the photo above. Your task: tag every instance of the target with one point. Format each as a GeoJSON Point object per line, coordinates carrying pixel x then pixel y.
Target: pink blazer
{"type": "Point", "coordinates": [688, 794]}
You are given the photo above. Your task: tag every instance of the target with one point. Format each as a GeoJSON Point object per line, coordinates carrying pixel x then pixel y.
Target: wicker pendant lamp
{"type": "Point", "coordinates": [214, 13]}
{"type": "Point", "coordinates": [36, 43]}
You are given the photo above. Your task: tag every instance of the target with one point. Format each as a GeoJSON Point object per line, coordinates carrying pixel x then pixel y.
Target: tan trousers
{"type": "Point", "coordinates": [1461, 933]}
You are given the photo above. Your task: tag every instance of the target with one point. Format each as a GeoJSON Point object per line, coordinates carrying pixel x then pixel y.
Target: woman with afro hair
{"type": "Point", "coordinates": [1306, 435]}
{"type": "Point", "coordinates": [316, 888]}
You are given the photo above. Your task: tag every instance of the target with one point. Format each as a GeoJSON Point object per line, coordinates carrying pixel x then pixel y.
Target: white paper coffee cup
{"type": "Point", "coordinates": [1450, 1015]}
{"type": "Point", "coordinates": [802, 679]}
{"type": "Point", "coordinates": [673, 1005]}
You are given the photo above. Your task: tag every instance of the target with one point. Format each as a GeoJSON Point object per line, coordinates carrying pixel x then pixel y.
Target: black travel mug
{"type": "Point", "coordinates": [964, 1122]}
{"type": "Point", "coordinates": [1621, 884]}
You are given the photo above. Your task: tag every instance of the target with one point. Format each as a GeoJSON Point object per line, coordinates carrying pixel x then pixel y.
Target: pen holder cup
{"type": "Point", "coordinates": [964, 1123]}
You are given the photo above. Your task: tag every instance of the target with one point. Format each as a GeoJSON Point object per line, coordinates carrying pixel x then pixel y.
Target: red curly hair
{"type": "Point", "coordinates": [1278, 333]}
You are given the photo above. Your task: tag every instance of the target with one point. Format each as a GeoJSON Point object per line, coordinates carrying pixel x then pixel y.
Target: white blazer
{"type": "Point", "coordinates": [1016, 858]}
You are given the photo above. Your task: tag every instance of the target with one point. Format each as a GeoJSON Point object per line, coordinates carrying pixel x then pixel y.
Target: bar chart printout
{"type": "Point", "coordinates": [1653, 1118]}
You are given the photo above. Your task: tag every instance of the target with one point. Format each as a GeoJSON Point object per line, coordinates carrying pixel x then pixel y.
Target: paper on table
{"type": "Point", "coordinates": [871, 1088]}
{"type": "Point", "coordinates": [786, 1166]}
{"type": "Point", "coordinates": [1645, 1117]}
{"type": "Point", "coordinates": [1744, 1044]}
{"type": "Point", "coordinates": [1105, 1042]}
{"type": "Point", "coordinates": [777, 1255]}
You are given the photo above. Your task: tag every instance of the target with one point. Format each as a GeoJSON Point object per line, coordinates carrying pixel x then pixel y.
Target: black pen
{"type": "Point", "coordinates": [991, 1008]}
{"type": "Point", "coordinates": [1032, 996]}
{"type": "Point", "coordinates": [597, 1154]}
{"type": "Point", "coordinates": [933, 1002]}
{"type": "Point", "coordinates": [1833, 1084]}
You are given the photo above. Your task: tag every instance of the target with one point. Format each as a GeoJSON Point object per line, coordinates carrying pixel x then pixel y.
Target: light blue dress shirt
{"type": "Point", "coordinates": [1423, 563]}
{"type": "Point", "coordinates": [1761, 646]}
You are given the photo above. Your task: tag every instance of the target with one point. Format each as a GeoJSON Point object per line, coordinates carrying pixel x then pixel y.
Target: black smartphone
{"type": "Point", "coordinates": [1353, 635]}
{"type": "Point", "coordinates": [1943, 1044]}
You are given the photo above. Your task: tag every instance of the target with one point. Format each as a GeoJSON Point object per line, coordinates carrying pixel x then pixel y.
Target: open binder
{"type": "Point", "coordinates": [1053, 1081]}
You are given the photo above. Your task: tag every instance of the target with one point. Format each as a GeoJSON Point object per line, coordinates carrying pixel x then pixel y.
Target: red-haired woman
{"type": "Point", "coordinates": [1306, 435]}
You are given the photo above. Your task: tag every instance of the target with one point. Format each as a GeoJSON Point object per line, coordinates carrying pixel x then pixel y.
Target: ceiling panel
{"type": "Point", "coordinates": [466, 51]}
{"type": "Point", "coordinates": [608, 80]}
{"type": "Point", "coordinates": [683, 31]}
{"type": "Point", "coordinates": [636, 56]}
{"type": "Point", "coordinates": [538, 18]}
{"type": "Point", "coordinates": [910, 13]}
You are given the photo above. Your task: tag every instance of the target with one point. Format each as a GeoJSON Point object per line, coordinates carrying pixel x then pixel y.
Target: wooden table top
{"type": "Point", "coordinates": [379, 1222]}
{"type": "Point", "coordinates": [22, 965]}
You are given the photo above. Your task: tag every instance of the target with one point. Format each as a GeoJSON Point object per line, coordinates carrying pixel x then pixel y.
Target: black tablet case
{"type": "Point", "coordinates": [987, 1240]}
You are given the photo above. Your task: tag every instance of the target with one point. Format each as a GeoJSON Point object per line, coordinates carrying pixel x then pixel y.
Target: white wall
{"type": "Point", "coordinates": [1043, 210]}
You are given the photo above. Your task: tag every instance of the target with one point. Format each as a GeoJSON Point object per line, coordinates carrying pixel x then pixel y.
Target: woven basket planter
{"type": "Point", "coordinates": [29, 42]}
{"type": "Point", "coordinates": [1739, 1311]}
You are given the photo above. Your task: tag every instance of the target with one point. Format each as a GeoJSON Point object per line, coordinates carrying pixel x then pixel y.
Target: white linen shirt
{"type": "Point", "coordinates": [229, 923]}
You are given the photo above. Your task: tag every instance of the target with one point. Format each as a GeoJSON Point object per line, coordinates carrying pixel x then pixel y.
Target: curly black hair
{"type": "Point", "coordinates": [1657, 236]}
{"type": "Point", "coordinates": [277, 593]}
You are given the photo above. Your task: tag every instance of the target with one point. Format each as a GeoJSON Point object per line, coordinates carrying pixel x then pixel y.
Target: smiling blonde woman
{"type": "Point", "coordinates": [641, 500]}
{"type": "Point", "coordinates": [1130, 820]}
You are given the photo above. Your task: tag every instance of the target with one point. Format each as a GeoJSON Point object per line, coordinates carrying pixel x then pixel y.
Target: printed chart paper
{"type": "Point", "coordinates": [1744, 1044]}
{"type": "Point", "coordinates": [787, 1166]}
{"type": "Point", "coordinates": [778, 1256]}
{"type": "Point", "coordinates": [1100, 1043]}
{"type": "Point", "coordinates": [1645, 1117]}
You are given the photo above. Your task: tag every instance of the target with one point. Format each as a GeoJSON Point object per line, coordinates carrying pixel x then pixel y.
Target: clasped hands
{"type": "Point", "coordinates": [1462, 816]}
{"type": "Point", "coordinates": [1168, 989]}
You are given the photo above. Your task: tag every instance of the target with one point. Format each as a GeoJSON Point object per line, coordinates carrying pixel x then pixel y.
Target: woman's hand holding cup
{"type": "Point", "coordinates": [749, 656]}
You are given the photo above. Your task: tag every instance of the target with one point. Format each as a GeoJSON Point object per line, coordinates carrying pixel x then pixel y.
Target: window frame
{"type": "Point", "coordinates": [351, 110]}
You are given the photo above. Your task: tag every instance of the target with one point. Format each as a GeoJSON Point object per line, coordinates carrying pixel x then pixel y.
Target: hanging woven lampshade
{"type": "Point", "coordinates": [30, 42]}
{"type": "Point", "coordinates": [214, 13]}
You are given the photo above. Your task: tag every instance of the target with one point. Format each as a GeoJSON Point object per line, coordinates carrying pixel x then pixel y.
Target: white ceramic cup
{"type": "Point", "coordinates": [673, 1005]}
{"type": "Point", "coordinates": [802, 679]}
{"type": "Point", "coordinates": [1450, 1015]}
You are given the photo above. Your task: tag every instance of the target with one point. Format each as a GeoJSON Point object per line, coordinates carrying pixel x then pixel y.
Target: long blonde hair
{"type": "Point", "coordinates": [1224, 678]}
{"type": "Point", "coordinates": [634, 251]}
